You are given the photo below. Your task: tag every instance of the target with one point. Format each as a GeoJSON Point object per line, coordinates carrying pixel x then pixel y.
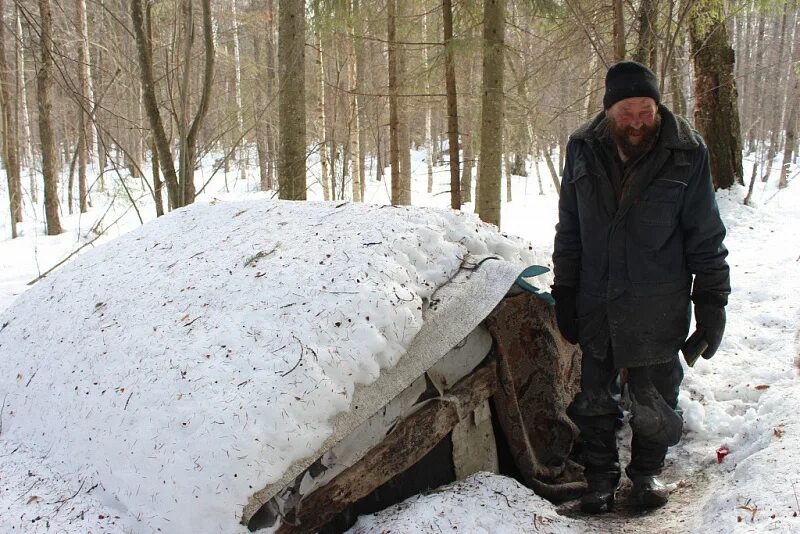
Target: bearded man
{"type": "Point", "coordinates": [639, 235]}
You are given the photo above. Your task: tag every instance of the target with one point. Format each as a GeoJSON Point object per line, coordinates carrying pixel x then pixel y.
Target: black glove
{"type": "Point", "coordinates": [710, 320]}
{"type": "Point", "coordinates": [566, 311]}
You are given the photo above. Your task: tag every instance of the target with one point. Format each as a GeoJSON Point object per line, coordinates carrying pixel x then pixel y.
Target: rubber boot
{"type": "Point", "coordinates": [648, 491]}
{"type": "Point", "coordinates": [600, 492]}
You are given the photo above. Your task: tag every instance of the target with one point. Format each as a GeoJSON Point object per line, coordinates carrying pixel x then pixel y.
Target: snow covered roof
{"type": "Point", "coordinates": [192, 363]}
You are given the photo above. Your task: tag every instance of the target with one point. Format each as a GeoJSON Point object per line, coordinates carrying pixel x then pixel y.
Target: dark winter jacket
{"type": "Point", "coordinates": [632, 264]}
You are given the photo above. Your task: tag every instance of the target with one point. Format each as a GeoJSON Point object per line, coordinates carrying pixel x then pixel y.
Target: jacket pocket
{"type": "Point", "coordinates": [654, 244]}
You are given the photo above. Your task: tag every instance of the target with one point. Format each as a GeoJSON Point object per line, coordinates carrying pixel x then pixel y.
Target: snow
{"type": "Point", "coordinates": [219, 361]}
{"type": "Point", "coordinates": [745, 398]}
{"type": "Point", "coordinates": [483, 503]}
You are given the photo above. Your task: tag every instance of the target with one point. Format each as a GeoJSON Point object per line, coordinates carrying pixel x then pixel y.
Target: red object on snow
{"type": "Point", "coordinates": [722, 452]}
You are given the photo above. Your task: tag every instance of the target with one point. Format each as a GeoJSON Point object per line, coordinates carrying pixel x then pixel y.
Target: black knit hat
{"type": "Point", "coordinates": [628, 79]}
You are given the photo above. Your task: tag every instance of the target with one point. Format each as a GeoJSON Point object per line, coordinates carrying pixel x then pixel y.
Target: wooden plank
{"type": "Point", "coordinates": [411, 439]}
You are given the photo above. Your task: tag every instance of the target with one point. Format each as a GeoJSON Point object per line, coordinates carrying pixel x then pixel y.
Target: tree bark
{"type": "Point", "coordinates": [785, 77]}
{"type": "Point", "coordinates": [452, 106]}
{"type": "Point", "coordinates": [86, 103]}
{"type": "Point", "coordinates": [262, 87]}
{"type": "Point", "coordinates": [790, 120]}
{"type": "Point", "coordinates": [158, 185]}
{"type": "Point", "coordinates": [394, 126]}
{"type": "Point", "coordinates": [489, 173]}
{"type": "Point", "coordinates": [716, 113]}
{"type": "Point", "coordinates": [426, 61]}
{"type": "Point", "coordinates": [10, 132]}
{"type": "Point", "coordinates": [323, 129]}
{"type": "Point", "coordinates": [619, 31]}
{"type": "Point", "coordinates": [646, 48]}
{"type": "Point", "coordinates": [355, 116]}
{"type": "Point", "coordinates": [145, 58]}
{"type": "Point", "coordinates": [404, 128]}
{"type": "Point", "coordinates": [292, 111]}
{"type": "Point", "coordinates": [44, 82]}
{"type": "Point", "coordinates": [22, 101]}
{"type": "Point", "coordinates": [242, 159]}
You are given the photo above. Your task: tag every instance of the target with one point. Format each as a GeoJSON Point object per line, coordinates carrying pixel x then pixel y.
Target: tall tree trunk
{"type": "Point", "coordinates": [10, 133]}
{"type": "Point", "coordinates": [323, 129]}
{"type": "Point", "coordinates": [785, 78]}
{"type": "Point", "coordinates": [676, 84]}
{"type": "Point", "coordinates": [271, 70]}
{"type": "Point", "coordinates": [242, 159]}
{"type": "Point", "coordinates": [259, 104]}
{"type": "Point", "coordinates": [186, 160]}
{"type": "Point", "coordinates": [158, 185]}
{"type": "Point", "coordinates": [292, 110]}
{"type": "Point", "coordinates": [97, 142]}
{"type": "Point", "coordinates": [82, 160]}
{"type": "Point", "coordinates": [22, 101]}
{"type": "Point", "coordinates": [86, 104]}
{"type": "Point", "coordinates": [588, 107]}
{"type": "Point", "coordinates": [552, 168]}
{"type": "Point", "coordinates": [404, 128]}
{"type": "Point", "coordinates": [44, 82]}
{"type": "Point", "coordinates": [426, 61]}
{"type": "Point", "coordinates": [452, 105]}
{"type": "Point", "coordinates": [141, 23]}
{"type": "Point", "coordinates": [509, 168]}
{"type": "Point", "coordinates": [753, 100]}
{"type": "Point", "coordinates": [489, 172]}
{"type": "Point", "coordinates": [401, 194]}
{"type": "Point", "coordinates": [355, 116]}
{"type": "Point", "coordinates": [619, 31]}
{"type": "Point", "coordinates": [189, 145]}
{"type": "Point", "coordinates": [790, 120]}
{"type": "Point", "coordinates": [716, 113]}
{"type": "Point", "coordinates": [646, 48]}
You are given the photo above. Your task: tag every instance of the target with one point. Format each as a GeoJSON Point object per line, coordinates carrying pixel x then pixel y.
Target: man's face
{"type": "Point", "coordinates": [634, 123]}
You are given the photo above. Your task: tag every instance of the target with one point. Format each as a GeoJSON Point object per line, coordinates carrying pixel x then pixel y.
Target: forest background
{"type": "Point", "coordinates": [132, 95]}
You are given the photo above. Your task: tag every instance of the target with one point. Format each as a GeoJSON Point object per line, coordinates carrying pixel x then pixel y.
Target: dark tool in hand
{"type": "Point", "coordinates": [694, 347]}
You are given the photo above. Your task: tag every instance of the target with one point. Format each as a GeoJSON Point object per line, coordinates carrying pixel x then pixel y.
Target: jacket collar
{"type": "Point", "coordinates": [676, 134]}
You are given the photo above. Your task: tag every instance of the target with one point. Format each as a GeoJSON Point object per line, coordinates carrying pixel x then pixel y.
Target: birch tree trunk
{"type": "Point", "coordinates": [44, 82]}
{"type": "Point", "coordinates": [242, 159]}
{"type": "Point", "coordinates": [22, 100]}
{"type": "Point", "coordinates": [716, 111]}
{"type": "Point", "coordinates": [10, 133]}
{"type": "Point", "coordinates": [452, 105]}
{"type": "Point", "coordinates": [489, 173]}
{"type": "Point", "coordinates": [292, 111]}
{"type": "Point", "coordinates": [779, 99]}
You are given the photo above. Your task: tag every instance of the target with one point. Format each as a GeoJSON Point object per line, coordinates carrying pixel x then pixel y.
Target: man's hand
{"type": "Point", "coordinates": [710, 327]}
{"type": "Point", "coordinates": [566, 312]}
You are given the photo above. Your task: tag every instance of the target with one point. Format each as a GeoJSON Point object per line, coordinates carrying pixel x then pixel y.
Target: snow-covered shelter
{"type": "Point", "coordinates": [289, 365]}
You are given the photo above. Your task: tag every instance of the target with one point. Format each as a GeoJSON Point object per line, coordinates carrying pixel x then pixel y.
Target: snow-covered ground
{"type": "Point", "coordinates": [745, 400]}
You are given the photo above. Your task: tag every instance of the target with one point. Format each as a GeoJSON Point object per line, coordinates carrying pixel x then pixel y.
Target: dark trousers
{"type": "Point", "coordinates": [655, 423]}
